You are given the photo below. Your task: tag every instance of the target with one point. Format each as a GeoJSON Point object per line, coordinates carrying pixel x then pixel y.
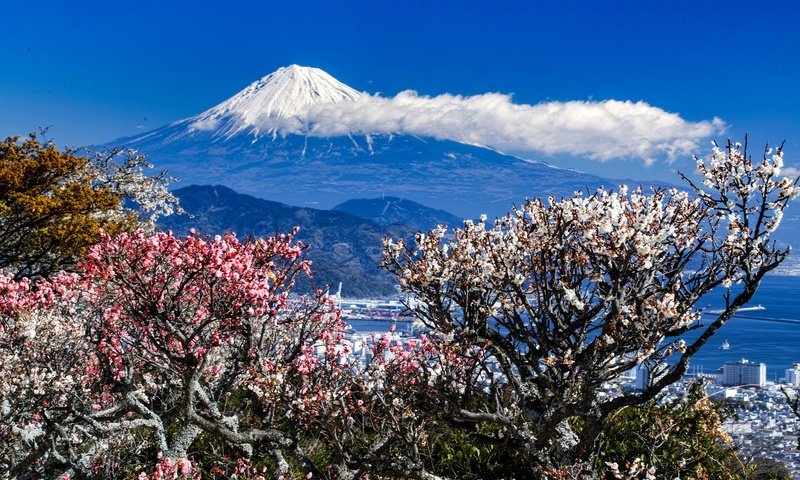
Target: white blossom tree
{"type": "Point", "coordinates": [561, 296]}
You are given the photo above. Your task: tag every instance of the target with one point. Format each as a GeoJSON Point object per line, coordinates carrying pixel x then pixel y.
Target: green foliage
{"type": "Point", "coordinates": [480, 454]}
{"type": "Point", "coordinates": [54, 203]}
{"type": "Point", "coordinates": [681, 439]}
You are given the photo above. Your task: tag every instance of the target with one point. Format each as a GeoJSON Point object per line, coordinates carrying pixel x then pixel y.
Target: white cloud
{"type": "Point", "coordinates": [599, 130]}
{"type": "Point", "coordinates": [205, 124]}
{"type": "Point", "coordinates": [791, 172]}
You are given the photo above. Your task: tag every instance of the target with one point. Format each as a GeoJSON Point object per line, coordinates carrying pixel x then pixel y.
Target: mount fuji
{"type": "Point", "coordinates": [261, 142]}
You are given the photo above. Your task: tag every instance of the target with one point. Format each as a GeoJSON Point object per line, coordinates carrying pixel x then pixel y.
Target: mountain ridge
{"type": "Point", "coordinates": [343, 247]}
{"type": "Point", "coordinates": [394, 210]}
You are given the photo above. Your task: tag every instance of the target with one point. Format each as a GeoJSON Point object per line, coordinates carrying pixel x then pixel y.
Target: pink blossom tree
{"type": "Point", "coordinates": [537, 312]}
{"type": "Point", "coordinates": [160, 343]}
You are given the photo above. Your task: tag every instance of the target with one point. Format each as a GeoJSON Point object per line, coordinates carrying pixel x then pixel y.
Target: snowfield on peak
{"type": "Point", "coordinates": [276, 102]}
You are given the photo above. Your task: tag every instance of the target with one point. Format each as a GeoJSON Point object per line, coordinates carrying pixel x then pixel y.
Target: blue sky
{"type": "Point", "coordinates": [95, 71]}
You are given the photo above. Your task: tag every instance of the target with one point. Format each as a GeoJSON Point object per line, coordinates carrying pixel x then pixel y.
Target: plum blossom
{"type": "Point", "coordinates": [155, 326]}
{"type": "Point", "coordinates": [561, 295]}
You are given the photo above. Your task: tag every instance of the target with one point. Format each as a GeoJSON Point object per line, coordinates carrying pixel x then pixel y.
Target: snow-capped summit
{"type": "Point", "coordinates": [276, 101]}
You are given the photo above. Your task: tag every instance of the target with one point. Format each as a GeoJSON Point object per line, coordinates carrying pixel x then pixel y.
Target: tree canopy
{"type": "Point", "coordinates": [53, 204]}
{"type": "Point", "coordinates": [562, 296]}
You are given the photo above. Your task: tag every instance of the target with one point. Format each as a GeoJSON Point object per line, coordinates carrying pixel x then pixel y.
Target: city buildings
{"type": "Point", "coordinates": [647, 374]}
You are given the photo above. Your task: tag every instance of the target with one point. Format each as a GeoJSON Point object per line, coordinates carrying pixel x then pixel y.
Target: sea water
{"type": "Point", "coordinates": [767, 336]}
{"type": "Point", "coordinates": [770, 336]}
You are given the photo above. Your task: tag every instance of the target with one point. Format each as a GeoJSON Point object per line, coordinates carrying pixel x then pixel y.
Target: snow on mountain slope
{"type": "Point", "coordinates": [278, 100]}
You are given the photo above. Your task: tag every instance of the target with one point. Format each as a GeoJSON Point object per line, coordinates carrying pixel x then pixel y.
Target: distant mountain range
{"type": "Point", "coordinates": [399, 211]}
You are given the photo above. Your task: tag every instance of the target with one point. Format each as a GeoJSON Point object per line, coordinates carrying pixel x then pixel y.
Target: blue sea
{"type": "Point", "coordinates": [770, 336]}
{"type": "Point", "coordinates": [767, 335]}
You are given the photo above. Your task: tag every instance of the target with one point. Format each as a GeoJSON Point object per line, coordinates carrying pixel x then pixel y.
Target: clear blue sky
{"type": "Point", "coordinates": [94, 71]}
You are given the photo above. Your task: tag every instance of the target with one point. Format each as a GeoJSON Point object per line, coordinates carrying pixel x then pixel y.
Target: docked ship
{"type": "Point", "coordinates": [754, 308]}
{"type": "Point", "coordinates": [392, 309]}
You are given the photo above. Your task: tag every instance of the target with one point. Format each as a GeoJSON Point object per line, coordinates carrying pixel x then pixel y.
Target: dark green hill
{"type": "Point", "coordinates": [344, 248]}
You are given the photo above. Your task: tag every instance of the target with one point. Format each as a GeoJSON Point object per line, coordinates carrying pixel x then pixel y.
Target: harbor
{"type": "Point", "coordinates": [393, 309]}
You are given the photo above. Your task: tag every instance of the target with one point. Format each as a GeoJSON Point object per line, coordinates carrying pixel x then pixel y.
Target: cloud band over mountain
{"type": "Point", "coordinates": [305, 100]}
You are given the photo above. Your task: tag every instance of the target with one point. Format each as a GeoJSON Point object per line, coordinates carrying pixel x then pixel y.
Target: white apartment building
{"type": "Point", "coordinates": [744, 372]}
{"type": "Point", "coordinates": [793, 375]}
{"type": "Point", "coordinates": [645, 376]}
